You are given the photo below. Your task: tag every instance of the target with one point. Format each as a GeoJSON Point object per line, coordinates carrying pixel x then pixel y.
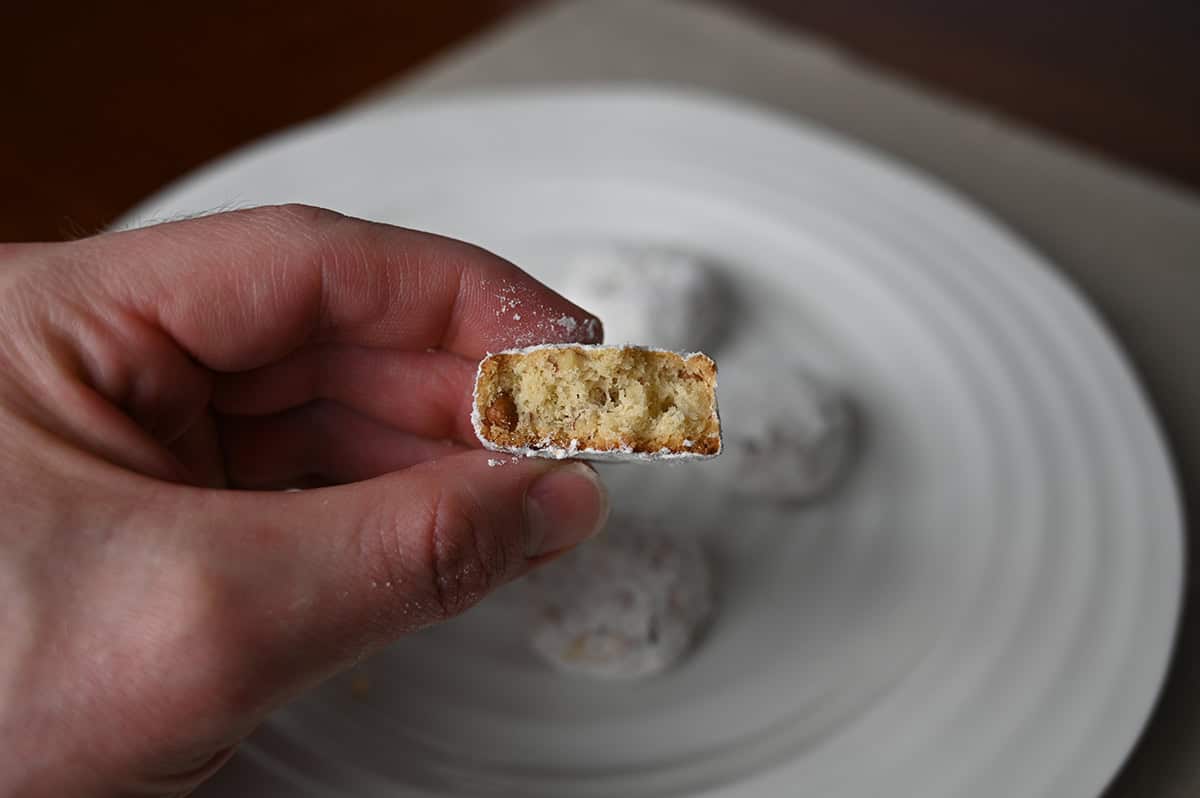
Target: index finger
{"type": "Point", "coordinates": [240, 290]}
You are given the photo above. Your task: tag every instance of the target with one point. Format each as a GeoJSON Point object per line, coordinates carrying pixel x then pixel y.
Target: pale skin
{"type": "Point", "coordinates": [158, 594]}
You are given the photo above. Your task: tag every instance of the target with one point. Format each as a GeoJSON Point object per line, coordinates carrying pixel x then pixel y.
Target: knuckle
{"type": "Point", "coordinates": [467, 558]}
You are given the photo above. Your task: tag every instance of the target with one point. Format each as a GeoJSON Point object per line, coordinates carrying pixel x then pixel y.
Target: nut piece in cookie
{"type": "Point", "coordinates": [502, 413]}
{"type": "Point", "coordinates": [602, 402]}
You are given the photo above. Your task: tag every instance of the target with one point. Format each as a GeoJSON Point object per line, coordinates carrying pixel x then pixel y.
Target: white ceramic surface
{"type": "Point", "coordinates": [986, 607]}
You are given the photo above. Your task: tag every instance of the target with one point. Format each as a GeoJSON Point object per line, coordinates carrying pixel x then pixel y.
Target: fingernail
{"type": "Point", "coordinates": [564, 507]}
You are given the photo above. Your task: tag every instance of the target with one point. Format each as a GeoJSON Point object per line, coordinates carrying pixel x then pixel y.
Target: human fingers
{"type": "Point", "coordinates": [135, 327]}
{"type": "Point", "coordinates": [308, 582]}
{"type": "Point", "coordinates": [424, 393]}
{"type": "Point", "coordinates": [239, 290]}
{"type": "Point", "coordinates": [323, 440]}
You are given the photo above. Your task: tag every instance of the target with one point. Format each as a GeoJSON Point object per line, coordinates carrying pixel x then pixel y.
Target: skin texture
{"type": "Point", "coordinates": [157, 596]}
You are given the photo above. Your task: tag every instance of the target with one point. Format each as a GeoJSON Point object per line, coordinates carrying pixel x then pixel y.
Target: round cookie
{"type": "Point", "coordinates": [649, 296]}
{"type": "Point", "coordinates": [788, 435]}
{"type": "Point", "coordinates": [625, 605]}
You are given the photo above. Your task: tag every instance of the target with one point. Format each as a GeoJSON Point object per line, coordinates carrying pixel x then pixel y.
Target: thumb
{"type": "Point", "coordinates": [264, 594]}
{"type": "Point", "coordinates": [335, 572]}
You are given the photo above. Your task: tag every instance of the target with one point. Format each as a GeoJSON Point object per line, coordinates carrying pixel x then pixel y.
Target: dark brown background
{"type": "Point", "coordinates": [103, 103]}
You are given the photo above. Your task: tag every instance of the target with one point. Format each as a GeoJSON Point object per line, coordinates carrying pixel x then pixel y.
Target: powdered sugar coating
{"type": "Point", "coordinates": [574, 451]}
{"type": "Point", "coordinates": [494, 463]}
{"type": "Point", "coordinates": [649, 295]}
{"type": "Point", "coordinates": [534, 320]}
{"type": "Point", "coordinates": [625, 605]}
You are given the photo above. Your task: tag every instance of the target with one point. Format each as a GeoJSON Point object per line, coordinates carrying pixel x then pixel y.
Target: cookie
{"type": "Point", "coordinates": [598, 402]}
{"type": "Point", "coordinates": [791, 436]}
{"type": "Point", "coordinates": [650, 295]}
{"type": "Point", "coordinates": [628, 604]}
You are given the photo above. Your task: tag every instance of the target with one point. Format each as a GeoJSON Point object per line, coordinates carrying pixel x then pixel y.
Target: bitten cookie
{"type": "Point", "coordinates": [625, 605]}
{"type": "Point", "coordinates": [598, 402]}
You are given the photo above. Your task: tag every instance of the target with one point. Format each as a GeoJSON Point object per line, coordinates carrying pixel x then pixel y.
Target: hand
{"type": "Point", "coordinates": [155, 601]}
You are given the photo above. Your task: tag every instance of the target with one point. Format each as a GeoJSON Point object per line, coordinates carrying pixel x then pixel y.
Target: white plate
{"type": "Point", "coordinates": [986, 609]}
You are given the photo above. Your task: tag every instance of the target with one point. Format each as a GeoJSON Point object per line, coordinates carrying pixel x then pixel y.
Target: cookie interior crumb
{"type": "Point", "coordinates": [602, 398]}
